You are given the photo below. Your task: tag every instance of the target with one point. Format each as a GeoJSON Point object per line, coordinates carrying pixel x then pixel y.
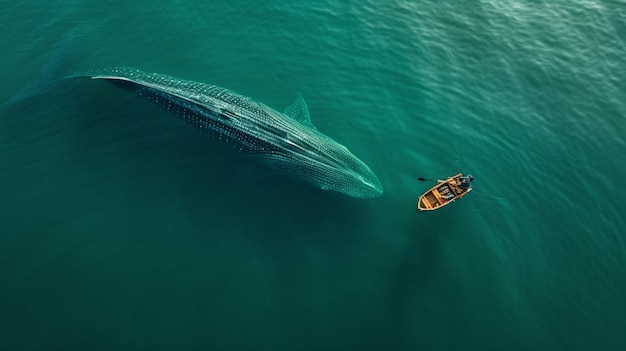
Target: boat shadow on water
{"type": "Point", "coordinates": [423, 268]}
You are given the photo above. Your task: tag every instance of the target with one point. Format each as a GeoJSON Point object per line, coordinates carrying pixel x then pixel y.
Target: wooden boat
{"type": "Point", "coordinates": [445, 192]}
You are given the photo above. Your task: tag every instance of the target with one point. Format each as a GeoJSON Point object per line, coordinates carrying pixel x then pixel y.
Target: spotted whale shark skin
{"type": "Point", "coordinates": [287, 142]}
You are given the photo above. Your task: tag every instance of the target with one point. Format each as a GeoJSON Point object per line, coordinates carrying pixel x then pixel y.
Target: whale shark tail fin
{"type": "Point", "coordinates": [51, 72]}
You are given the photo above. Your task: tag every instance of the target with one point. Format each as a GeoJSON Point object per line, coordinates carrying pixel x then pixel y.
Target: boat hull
{"type": "Point", "coordinates": [442, 194]}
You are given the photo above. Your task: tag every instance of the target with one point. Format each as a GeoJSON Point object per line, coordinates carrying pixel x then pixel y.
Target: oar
{"type": "Point", "coordinates": [426, 179]}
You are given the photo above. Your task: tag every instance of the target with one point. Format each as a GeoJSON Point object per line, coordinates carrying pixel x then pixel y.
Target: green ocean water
{"type": "Point", "coordinates": [122, 228]}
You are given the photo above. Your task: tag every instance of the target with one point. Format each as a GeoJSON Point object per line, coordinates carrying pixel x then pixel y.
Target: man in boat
{"type": "Point", "coordinates": [465, 182]}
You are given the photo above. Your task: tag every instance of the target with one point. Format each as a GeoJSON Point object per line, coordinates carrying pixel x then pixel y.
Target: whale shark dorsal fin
{"type": "Point", "coordinates": [300, 112]}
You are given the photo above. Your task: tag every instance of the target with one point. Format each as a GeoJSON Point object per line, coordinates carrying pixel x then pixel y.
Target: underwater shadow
{"type": "Point", "coordinates": [417, 269]}
{"type": "Point", "coordinates": [221, 192]}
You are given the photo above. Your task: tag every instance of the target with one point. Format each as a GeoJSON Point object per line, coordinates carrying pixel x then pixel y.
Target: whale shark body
{"type": "Point", "coordinates": [288, 142]}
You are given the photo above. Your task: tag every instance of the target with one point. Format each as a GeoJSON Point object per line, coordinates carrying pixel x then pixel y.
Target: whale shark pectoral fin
{"type": "Point", "coordinates": [300, 112]}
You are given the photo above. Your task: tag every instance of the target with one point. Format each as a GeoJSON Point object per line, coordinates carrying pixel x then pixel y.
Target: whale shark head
{"type": "Point", "coordinates": [349, 175]}
{"type": "Point", "coordinates": [316, 158]}
{"type": "Point", "coordinates": [319, 160]}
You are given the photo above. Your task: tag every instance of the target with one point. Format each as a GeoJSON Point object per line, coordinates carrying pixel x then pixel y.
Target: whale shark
{"type": "Point", "coordinates": [286, 141]}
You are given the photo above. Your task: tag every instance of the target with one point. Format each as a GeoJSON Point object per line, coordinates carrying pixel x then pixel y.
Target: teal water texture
{"type": "Point", "coordinates": [123, 228]}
